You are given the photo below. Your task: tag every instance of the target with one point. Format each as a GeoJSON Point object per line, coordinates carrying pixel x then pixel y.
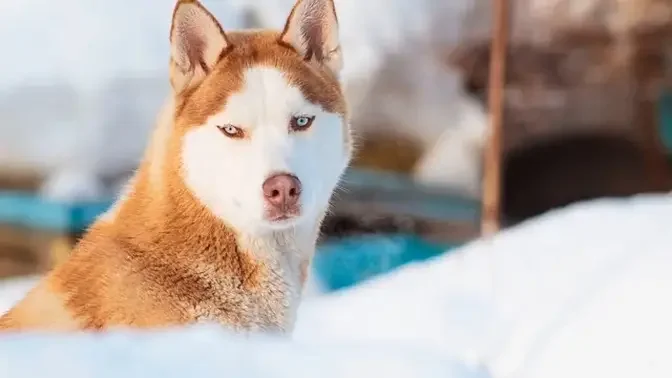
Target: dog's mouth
{"type": "Point", "coordinates": [280, 219]}
{"type": "Point", "coordinates": [282, 223]}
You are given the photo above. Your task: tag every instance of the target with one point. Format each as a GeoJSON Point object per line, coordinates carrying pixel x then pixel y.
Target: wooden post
{"type": "Point", "coordinates": [492, 159]}
{"type": "Point", "coordinates": [648, 65]}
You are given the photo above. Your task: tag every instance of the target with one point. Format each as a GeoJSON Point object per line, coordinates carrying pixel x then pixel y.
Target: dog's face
{"type": "Point", "coordinates": [261, 119]}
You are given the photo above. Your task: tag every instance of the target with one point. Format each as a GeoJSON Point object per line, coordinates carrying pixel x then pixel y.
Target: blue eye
{"type": "Point", "coordinates": [232, 131]}
{"type": "Point", "coordinates": [301, 122]}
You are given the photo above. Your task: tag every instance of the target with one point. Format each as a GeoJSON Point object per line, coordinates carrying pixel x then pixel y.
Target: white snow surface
{"type": "Point", "coordinates": [207, 351]}
{"type": "Point", "coordinates": [579, 292]}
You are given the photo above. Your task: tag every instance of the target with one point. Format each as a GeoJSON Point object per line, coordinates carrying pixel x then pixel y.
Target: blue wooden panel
{"type": "Point", "coordinates": [665, 112]}
{"type": "Point", "coordinates": [28, 210]}
{"type": "Point", "coordinates": [346, 262]}
{"type": "Point", "coordinates": [338, 264]}
{"type": "Point", "coordinates": [402, 195]}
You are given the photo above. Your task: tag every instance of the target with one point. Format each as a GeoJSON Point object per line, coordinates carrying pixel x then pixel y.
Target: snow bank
{"type": "Point", "coordinates": [207, 351]}
{"type": "Point", "coordinates": [580, 292]}
{"type": "Point", "coordinates": [13, 289]}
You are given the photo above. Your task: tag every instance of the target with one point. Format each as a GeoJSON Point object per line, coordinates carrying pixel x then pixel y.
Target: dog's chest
{"type": "Point", "coordinates": [265, 301]}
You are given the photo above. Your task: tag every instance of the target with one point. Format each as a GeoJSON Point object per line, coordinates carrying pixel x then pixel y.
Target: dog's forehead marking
{"type": "Point", "coordinates": [266, 98]}
{"type": "Point", "coordinates": [261, 51]}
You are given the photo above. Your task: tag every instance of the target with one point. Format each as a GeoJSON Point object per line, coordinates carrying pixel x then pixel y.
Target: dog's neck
{"type": "Point", "coordinates": [169, 227]}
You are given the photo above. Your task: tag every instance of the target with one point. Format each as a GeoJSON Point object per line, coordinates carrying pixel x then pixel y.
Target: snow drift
{"type": "Point", "coordinates": [580, 292]}
{"type": "Point", "coordinates": [207, 351]}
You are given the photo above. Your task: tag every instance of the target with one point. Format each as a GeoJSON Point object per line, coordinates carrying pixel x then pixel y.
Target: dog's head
{"type": "Point", "coordinates": [260, 120]}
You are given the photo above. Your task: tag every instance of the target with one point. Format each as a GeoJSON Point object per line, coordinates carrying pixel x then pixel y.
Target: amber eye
{"type": "Point", "coordinates": [300, 123]}
{"type": "Point", "coordinates": [232, 131]}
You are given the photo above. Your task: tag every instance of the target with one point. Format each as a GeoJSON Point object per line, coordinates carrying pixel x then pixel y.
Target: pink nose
{"type": "Point", "coordinates": [282, 191]}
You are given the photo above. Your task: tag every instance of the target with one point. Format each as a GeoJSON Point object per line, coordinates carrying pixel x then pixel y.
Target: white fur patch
{"type": "Point", "coordinates": [226, 174]}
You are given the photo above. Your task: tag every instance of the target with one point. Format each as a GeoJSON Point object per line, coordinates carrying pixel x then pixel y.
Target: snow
{"type": "Point", "coordinates": [207, 351]}
{"type": "Point", "coordinates": [582, 291]}
{"type": "Point", "coordinates": [578, 292]}
{"type": "Point", "coordinates": [13, 289]}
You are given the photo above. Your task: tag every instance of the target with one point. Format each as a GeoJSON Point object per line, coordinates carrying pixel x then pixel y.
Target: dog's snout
{"type": "Point", "coordinates": [282, 191]}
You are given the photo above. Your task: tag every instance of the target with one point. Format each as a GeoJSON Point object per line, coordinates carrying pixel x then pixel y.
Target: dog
{"type": "Point", "coordinates": [219, 222]}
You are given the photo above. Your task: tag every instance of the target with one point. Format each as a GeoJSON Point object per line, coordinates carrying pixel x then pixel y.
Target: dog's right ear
{"type": "Point", "coordinates": [196, 43]}
{"type": "Point", "coordinates": [312, 30]}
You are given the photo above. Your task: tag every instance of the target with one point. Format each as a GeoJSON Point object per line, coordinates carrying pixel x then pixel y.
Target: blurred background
{"type": "Point", "coordinates": [587, 115]}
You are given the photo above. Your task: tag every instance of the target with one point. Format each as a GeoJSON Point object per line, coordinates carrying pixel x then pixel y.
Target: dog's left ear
{"type": "Point", "coordinates": [312, 29]}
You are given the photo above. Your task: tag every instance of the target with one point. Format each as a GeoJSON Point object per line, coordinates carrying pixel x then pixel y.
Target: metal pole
{"type": "Point", "coordinates": [492, 159]}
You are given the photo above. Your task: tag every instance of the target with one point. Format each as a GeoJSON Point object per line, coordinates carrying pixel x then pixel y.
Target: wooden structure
{"type": "Point", "coordinates": [599, 64]}
{"type": "Point", "coordinates": [491, 210]}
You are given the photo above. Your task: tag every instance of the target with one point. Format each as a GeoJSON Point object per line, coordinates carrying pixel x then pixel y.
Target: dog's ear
{"type": "Point", "coordinates": [312, 30]}
{"type": "Point", "coordinates": [196, 43]}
